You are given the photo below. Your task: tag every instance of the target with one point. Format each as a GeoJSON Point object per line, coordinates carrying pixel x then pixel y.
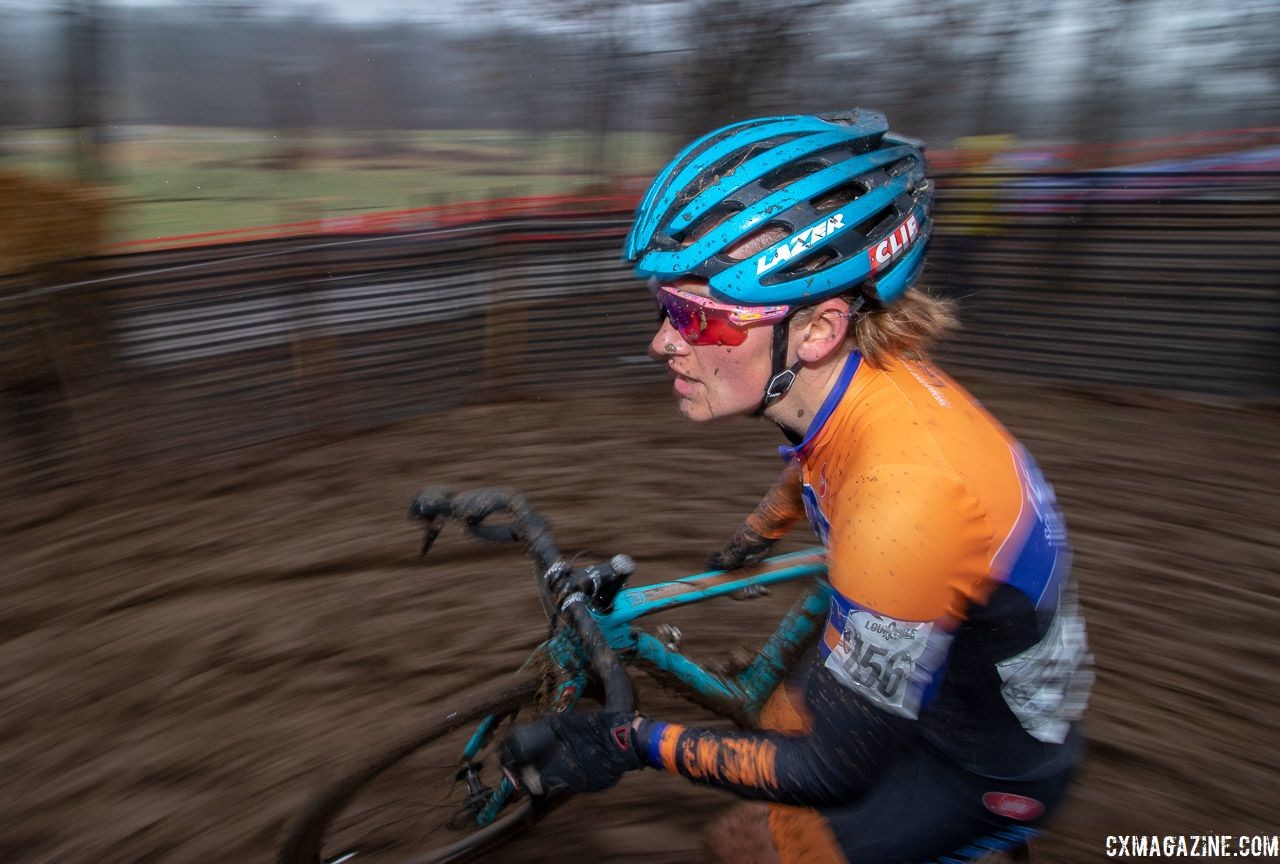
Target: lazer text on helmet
{"type": "Point", "coordinates": [793, 246]}
{"type": "Point", "coordinates": [895, 244]}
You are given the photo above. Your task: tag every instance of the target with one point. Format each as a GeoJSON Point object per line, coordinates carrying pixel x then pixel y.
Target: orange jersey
{"type": "Point", "coordinates": [925, 504]}
{"type": "Point", "coordinates": [952, 621]}
{"type": "Point", "coordinates": [915, 490]}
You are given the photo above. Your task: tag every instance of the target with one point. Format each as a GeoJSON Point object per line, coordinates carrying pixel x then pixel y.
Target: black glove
{"type": "Point", "coordinates": [583, 751]}
{"type": "Point", "coordinates": [744, 548]}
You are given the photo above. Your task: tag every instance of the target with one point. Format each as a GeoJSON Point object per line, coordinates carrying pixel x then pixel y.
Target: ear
{"type": "Point", "coordinates": [823, 334]}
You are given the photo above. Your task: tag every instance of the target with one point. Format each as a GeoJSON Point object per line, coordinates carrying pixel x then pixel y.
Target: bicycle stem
{"type": "Point", "coordinates": [528, 527]}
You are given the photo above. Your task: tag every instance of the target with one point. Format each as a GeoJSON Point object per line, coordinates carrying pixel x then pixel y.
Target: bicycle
{"type": "Point", "coordinates": [460, 804]}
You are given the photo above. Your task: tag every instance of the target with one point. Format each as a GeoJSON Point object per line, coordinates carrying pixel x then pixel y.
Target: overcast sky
{"type": "Point", "coordinates": [341, 10]}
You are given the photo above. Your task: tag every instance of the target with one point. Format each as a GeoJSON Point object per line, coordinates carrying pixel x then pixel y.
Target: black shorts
{"type": "Point", "coordinates": [928, 809]}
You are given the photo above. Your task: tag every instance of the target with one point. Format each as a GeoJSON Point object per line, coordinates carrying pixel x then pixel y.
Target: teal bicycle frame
{"type": "Point", "coordinates": [738, 697]}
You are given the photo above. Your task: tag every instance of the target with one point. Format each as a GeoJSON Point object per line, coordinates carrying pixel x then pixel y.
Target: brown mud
{"type": "Point", "coordinates": [186, 652]}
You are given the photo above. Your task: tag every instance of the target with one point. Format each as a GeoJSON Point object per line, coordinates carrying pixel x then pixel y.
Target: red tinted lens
{"type": "Point", "coordinates": [699, 326]}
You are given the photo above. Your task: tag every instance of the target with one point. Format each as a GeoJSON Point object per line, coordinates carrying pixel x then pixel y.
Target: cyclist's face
{"type": "Point", "coordinates": [715, 380]}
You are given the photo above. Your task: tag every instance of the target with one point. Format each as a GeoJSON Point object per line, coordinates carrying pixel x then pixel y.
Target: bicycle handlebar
{"type": "Point", "coordinates": [561, 589]}
{"type": "Point", "coordinates": [434, 505]}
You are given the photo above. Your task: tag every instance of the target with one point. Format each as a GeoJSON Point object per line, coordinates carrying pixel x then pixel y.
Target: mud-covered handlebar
{"type": "Point", "coordinates": [505, 516]}
{"type": "Point", "coordinates": [481, 511]}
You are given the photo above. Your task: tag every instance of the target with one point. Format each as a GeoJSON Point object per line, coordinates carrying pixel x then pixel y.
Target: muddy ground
{"type": "Point", "coordinates": [186, 651]}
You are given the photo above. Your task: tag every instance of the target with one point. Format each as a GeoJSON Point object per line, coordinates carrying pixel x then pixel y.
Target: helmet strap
{"type": "Point", "coordinates": [781, 377]}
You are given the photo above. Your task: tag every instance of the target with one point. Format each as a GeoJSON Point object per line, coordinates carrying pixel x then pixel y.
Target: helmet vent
{"type": "Point", "coordinates": [879, 223]}
{"type": "Point", "coordinates": [707, 222]}
{"type": "Point", "coordinates": [902, 166]}
{"type": "Point", "coordinates": [838, 197]}
{"type": "Point", "coordinates": [726, 166]}
{"type": "Point", "coordinates": [758, 241]}
{"type": "Point", "coordinates": [788, 174]}
{"type": "Point", "coordinates": [819, 260]}
{"type": "Point", "coordinates": [733, 160]}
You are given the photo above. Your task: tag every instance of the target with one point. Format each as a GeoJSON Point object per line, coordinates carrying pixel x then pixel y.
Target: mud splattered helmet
{"type": "Point", "coordinates": [849, 200]}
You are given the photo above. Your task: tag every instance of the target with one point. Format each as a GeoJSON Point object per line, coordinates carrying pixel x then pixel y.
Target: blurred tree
{"type": "Point", "coordinates": [520, 77]}
{"type": "Point", "coordinates": [286, 84]}
{"type": "Point", "coordinates": [1244, 50]}
{"type": "Point", "coordinates": [11, 107]}
{"type": "Point", "coordinates": [85, 90]}
{"type": "Point", "coordinates": [940, 68]}
{"type": "Point", "coordinates": [599, 41]}
{"type": "Point", "coordinates": [909, 65]}
{"type": "Point", "coordinates": [999, 33]}
{"type": "Point", "coordinates": [1104, 93]}
{"type": "Point", "coordinates": [740, 55]}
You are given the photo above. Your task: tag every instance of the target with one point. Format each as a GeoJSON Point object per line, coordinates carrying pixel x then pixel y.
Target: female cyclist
{"type": "Point", "coordinates": [937, 717]}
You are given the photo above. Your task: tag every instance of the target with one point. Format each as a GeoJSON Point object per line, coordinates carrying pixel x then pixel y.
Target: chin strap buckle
{"type": "Point", "coordinates": [783, 377]}
{"type": "Point", "coordinates": [779, 385]}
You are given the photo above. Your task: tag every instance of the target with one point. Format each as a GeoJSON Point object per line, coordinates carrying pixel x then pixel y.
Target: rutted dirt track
{"type": "Point", "coordinates": [185, 654]}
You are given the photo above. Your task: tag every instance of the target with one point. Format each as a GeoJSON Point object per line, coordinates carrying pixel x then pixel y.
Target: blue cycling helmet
{"type": "Point", "coordinates": [852, 199]}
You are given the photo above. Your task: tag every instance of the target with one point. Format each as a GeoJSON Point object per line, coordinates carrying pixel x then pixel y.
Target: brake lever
{"type": "Point", "coordinates": [433, 505]}
{"type": "Point", "coordinates": [433, 531]}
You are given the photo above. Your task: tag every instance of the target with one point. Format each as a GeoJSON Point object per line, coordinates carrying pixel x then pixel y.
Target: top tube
{"type": "Point", "coordinates": [647, 599]}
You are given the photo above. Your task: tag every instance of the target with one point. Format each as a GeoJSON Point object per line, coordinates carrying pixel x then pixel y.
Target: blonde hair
{"type": "Point", "coordinates": [909, 327]}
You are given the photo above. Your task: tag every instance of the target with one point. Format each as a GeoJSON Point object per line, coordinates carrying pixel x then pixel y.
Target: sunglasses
{"type": "Point", "coordinates": [702, 321]}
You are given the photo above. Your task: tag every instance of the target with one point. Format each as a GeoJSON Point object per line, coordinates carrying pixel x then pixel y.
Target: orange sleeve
{"type": "Point", "coordinates": [908, 541]}
{"type": "Point", "coordinates": [781, 506]}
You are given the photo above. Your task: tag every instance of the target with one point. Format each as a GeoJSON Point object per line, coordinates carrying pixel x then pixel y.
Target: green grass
{"type": "Point", "coordinates": [171, 181]}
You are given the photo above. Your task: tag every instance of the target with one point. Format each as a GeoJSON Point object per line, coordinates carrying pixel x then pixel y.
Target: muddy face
{"type": "Point", "coordinates": [715, 380]}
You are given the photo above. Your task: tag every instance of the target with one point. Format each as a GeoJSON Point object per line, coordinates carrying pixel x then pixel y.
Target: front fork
{"type": "Point", "coordinates": [485, 802]}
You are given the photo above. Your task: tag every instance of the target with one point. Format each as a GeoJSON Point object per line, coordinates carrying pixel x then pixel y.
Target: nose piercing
{"type": "Point", "coordinates": [669, 348]}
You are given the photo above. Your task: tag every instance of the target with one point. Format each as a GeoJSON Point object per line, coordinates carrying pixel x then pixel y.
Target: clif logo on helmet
{"type": "Point", "coordinates": [889, 249]}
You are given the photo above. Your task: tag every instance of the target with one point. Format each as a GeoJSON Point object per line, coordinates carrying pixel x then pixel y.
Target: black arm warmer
{"type": "Point", "coordinates": [836, 761]}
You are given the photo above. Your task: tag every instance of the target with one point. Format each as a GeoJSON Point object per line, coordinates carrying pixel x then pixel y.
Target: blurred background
{"type": "Point", "coordinates": [225, 114]}
{"type": "Point", "coordinates": [266, 267]}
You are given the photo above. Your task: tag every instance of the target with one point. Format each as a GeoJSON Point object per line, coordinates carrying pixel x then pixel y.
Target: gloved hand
{"type": "Point", "coordinates": [777, 511]}
{"type": "Point", "coordinates": [582, 751]}
{"type": "Point", "coordinates": [744, 548]}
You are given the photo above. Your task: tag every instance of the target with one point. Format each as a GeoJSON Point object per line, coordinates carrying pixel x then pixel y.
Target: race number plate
{"type": "Point", "coordinates": [878, 658]}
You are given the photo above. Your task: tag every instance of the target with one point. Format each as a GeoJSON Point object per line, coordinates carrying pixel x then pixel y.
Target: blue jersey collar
{"type": "Point", "coordinates": [851, 364]}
